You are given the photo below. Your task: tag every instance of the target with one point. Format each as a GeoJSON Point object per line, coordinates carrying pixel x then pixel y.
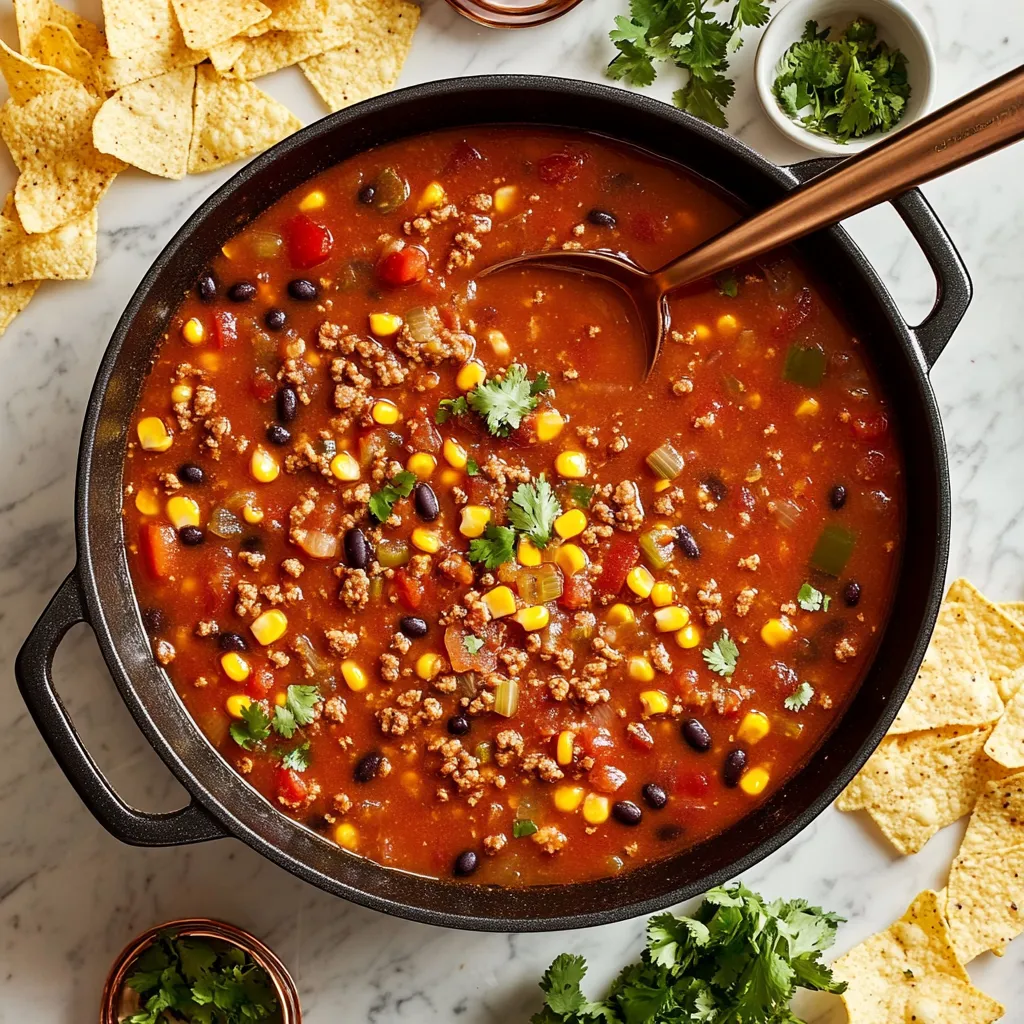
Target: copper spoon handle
{"type": "Point", "coordinates": [968, 128]}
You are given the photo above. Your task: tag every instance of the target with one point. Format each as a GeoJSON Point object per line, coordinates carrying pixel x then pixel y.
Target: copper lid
{"type": "Point", "coordinates": [203, 928]}
{"type": "Point", "coordinates": [512, 13]}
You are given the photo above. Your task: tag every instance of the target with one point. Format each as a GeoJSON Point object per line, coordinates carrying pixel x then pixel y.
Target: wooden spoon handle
{"type": "Point", "coordinates": [968, 128]}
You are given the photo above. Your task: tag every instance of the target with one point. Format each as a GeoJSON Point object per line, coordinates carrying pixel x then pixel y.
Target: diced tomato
{"type": "Point", "coordinates": [577, 593]}
{"type": "Point", "coordinates": [423, 435]}
{"type": "Point", "coordinates": [260, 682]}
{"type": "Point", "coordinates": [559, 168]}
{"type": "Point", "coordinates": [620, 557]}
{"type": "Point", "coordinates": [158, 546]}
{"type": "Point", "coordinates": [292, 789]}
{"type": "Point", "coordinates": [606, 778]}
{"type": "Point", "coordinates": [225, 329]}
{"type": "Point", "coordinates": [870, 428]}
{"type": "Point", "coordinates": [460, 657]}
{"type": "Point", "coordinates": [692, 783]}
{"type": "Point", "coordinates": [218, 576]}
{"type": "Point", "coordinates": [463, 154]}
{"type": "Point", "coordinates": [449, 317]}
{"type": "Point", "coordinates": [595, 740]}
{"type": "Point", "coordinates": [402, 267]}
{"type": "Point", "coordinates": [309, 243]}
{"type": "Point", "coordinates": [647, 227]}
{"type": "Point", "coordinates": [640, 737]}
{"type": "Point", "coordinates": [262, 386]}
{"type": "Point", "coordinates": [793, 316]}
{"type": "Point", "coordinates": [410, 589]}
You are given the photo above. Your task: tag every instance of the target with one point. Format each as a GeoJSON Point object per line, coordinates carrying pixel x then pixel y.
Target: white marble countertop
{"type": "Point", "coordinates": [70, 895]}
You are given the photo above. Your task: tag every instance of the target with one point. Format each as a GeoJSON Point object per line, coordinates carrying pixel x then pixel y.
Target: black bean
{"type": "Point", "coordinates": [602, 218]}
{"type": "Point", "coordinates": [466, 863]}
{"type": "Point", "coordinates": [837, 496]}
{"type": "Point", "coordinates": [696, 735]}
{"type": "Point", "coordinates": [413, 626]}
{"type": "Point", "coordinates": [666, 833]}
{"type": "Point", "coordinates": [851, 593]}
{"type": "Point", "coordinates": [367, 194]}
{"type": "Point", "coordinates": [733, 767]}
{"type": "Point", "coordinates": [426, 502]}
{"type": "Point", "coordinates": [242, 291]}
{"type": "Point", "coordinates": [276, 434]}
{"type": "Point", "coordinates": [654, 796]}
{"type": "Point", "coordinates": [357, 549]}
{"type": "Point", "coordinates": [190, 473]}
{"type": "Point", "coordinates": [302, 289]}
{"type": "Point", "coordinates": [206, 287]}
{"type": "Point", "coordinates": [287, 404]}
{"type": "Point", "coordinates": [190, 535]}
{"type": "Point", "coordinates": [275, 319]}
{"type": "Point", "coordinates": [369, 767]}
{"type": "Point", "coordinates": [153, 619]}
{"type": "Point", "coordinates": [715, 487]}
{"type": "Point", "coordinates": [252, 543]}
{"type": "Point", "coordinates": [458, 725]}
{"type": "Point", "coordinates": [686, 543]}
{"type": "Point", "coordinates": [232, 642]}
{"type": "Point", "coordinates": [626, 812]}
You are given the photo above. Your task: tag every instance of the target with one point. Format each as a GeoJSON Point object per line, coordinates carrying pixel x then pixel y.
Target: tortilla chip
{"type": "Point", "coordinates": [986, 882]}
{"type": "Point", "coordinates": [914, 785]}
{"type": "Point", "coordinates": [13, 299]}
{"type": "Point", "coordinates": [204, 23]}
{"type": "Point", "coordinates": [149, 124]}
{"type": "Point", "coordinates": [372, 62]}
{"type": "Point", "coordinates": [1006, 744]}
{"type": "Point", "coordinates": [233, 120]}
{"type": "Point", "coordinates": [910, 972]}
{"type": "Point", "coordinates": [57, 47]}
{"type": "Point", "coordinates": [223, 55]}
{"type": "Point", "coordinates": [952, 687]}
{"type": "Point", "coordinates": [1015, 609]}
{"type": "Point", "coordinates": [1000, 635]}
{"type": "Point", "coordinates": [295, 15]}
{"type": "Point", "coordinates": [117, 72]}
{"type": "Point", "coordinates": [26, 78]}
{"type": "Point", "coordinates": [32, 15]}
{"type": "Point", "coordinates": [135, 26]}
{"type": "Point", "coordinates": [66, 254]}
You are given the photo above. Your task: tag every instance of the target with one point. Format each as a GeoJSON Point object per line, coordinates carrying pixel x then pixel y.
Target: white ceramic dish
{"type": "Point", "coordinates": [897, 26]}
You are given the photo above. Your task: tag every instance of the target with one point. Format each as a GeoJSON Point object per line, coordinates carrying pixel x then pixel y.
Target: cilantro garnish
{"type": "Point", "coordinates": [811, 599]}
{"type": "Point", "coordinates": [494, 548]}
{"type": "Point", "coordinates": [253, 727]}
{"type": "Point", "coordinates": [722, 655]}
{"type": "Point", "coordinates": [471, 467]}
{"type": "Point", "coordinates": [845, 87]}
{"type": "Point", "coordinates": [297, 759]}
{"type": "Point", "coordinates": [472, 643]}
{"type": "Point", "coordinates": [581, 495]}
{"type": "Point", "coordinates": [297, 710]}
{"type": "Point", "coordinates": [541, 383]}
{"type": "Point", "coordinates": [799, 698]}
{"type": "Point", "coordinates": [449, 407]}
{"type": "Point", "coordinates": [504, 401]}
{"type": "Point", "coordinates": [727, 284]}
{"type": "Point", "coordinates": [523, 827]}
{"type": "Point", "coordinates": [534, 509]}
{"type": "Point", "coordinates": [382, 502]}
{"type": "Point", "coordinates": [737, 959]}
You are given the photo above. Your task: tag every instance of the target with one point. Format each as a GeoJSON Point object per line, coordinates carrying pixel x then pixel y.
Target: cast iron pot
{"type": "Point", "coordinates": [99, 590]}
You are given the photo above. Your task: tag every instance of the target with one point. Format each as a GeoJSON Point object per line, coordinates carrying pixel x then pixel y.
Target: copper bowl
{"type": "Point", "coordinates": [504, 14]}
{"type": "Point", "coordinates": [202, 928]}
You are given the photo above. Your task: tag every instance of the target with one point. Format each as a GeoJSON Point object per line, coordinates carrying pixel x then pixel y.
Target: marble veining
{"type": "Point", "coordinates": [70, 895]}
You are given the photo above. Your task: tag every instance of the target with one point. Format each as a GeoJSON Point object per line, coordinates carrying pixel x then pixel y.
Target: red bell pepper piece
{"type": "Point", "coordinates": [618, 560]}
{"type": "Point", "coordinates": [292, 789]}
{"type": "Point", "coordinates": [403, 267]}
{"type": "Point", "coordinates": [410, 589]}
{"type": "Point", "coordinates": [225, 329]}
{"type": "Point", "coordinates": [309, 243]}
{"type": "Point", "coordinates": [158, 547]}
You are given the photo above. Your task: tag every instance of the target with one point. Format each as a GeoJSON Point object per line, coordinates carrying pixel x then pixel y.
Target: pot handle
{"type": "Point", "coordinates": [952, 282]}
{"type": "Point", "coordinates": [34, 671]}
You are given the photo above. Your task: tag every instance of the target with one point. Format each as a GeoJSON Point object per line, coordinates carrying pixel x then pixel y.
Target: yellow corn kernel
{"type": "Point", "coordinates": [235, 666]}
{"type": "Point", "coordinates": [153, 434]}
{"type": "Point", "coordinates": [661, 485]}
{"type": "Point", "coordinates": [570, 524]}
{"type": "Point", "coordinates": [775, 632]}
{"type": "Point", "coordinates": [280, 698]}
{"type": "Point", "coordinates": [568, 798]}
{"type": "Point", "coordinates": [345, 467]}
{"type": "Point", "coordinates": [534, 617]}
{"type": "Point", "coordinates": [663, 594]}
{"type": "Point", "coordinates": [182, 511]}
{"type": "Point", "coordinates": [754, 781]}
{"type": "Point", "coordinates": [499, 343]}
{"type": "Point", "coordinates": [753, 728]}
{"type": "Point", "coordinates": [596, 809]}
{"type": "Point", "coordinates": [346, 836]}
{"type": "Point", "coordinates": [181, 393]}
{"type": "Point", "coordinates": [236, 704]}
{"type": "Point", "coordinates": [422, 465]}
{"type": "Point", "coordinates": [192, 331]}
{"type": "Point", "coordinates": [671, 618]}
{"type": "Point", "coordinates": [808, 407]}
{"type": "Point", "coordinates": [470, 375]}
{"type": "Point", "coordinates": [474, 520]}
{"type": "Point", "coordinates": [270, 626]}
{"type": "Point", "coordinates": [431, 197]}
{"type": "Point", "coordinates": [505, 198]}
{"type": "Point", "coordinates": [384, 412]}
{"type": "Point", "coordinates": [426, 540]}
{"type": "Point", "coordinates": [620, 615]}
{"type": "Point", "coordinates": [702, 332]}
{"type": "Point", "coordinates": [252, 514]}
{"type": "Point", "coordinates": [564, 746]}
{"type": "Point", "coordinates": [500, 601]}
{"type": "Point", "coordinates": [570, 559]}
{"type": "Point", "coordinates": [355, 678]}
{"type": "Point", "coordinates": [385, 324]}
{"type": "Point", "coordinates": [688, 637]}
{"type": "Point", "coordinates": [454, 454]}
{"type": "Point", "coordinates": [654, 702]}
{"type": "Point", "coordinates": [147, 502]}
{"type": "Point", "coordinates": [640, 669]}
{"type": "Point", "coordinates": [727, 324]}
{"type": "Point", "coordinates": [572, 465]}
{"type": "Point", "coordinates": [263, 466]}
{"type": "Point", "coordinates": [527, 553]}
{"type": "Point", "coordinates": [314, 200]}
{"type": "Point", "coordinates": [640, 581]}
{"type": "Point", "coordinates": [549, 424]}
{"type": "Point", "coordinates": [428, 665]}
{"type": "Point", "coordinates": [450, 477]}
{"type": "Point", "coordinates": [209, 361]}
{"type": "Point", "coordinates": [754, 400]}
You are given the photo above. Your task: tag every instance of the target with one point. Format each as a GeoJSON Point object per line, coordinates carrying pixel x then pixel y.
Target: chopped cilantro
{"type": "Point", "coordinates": [799, 698]}
{"type": "Point", "coordinates": [383, 501]}
{"type": "Point", "coordinates": [727, 284]}
{"type": "Point", "coordinates": [523, 827]}
{"type": "Point", "coordinates": [471, 467]}
{"type": "Point", "coordinates": [299, 702]}
{"type": "Point", "coordinates": [581, 495]}
{"type": "Point", "coordinates": [504, 401]}
{"type": "Point", "coordinates": [811, 599]}
{"type": "Point", "coordinates": [253, 727]}
{"type": "Point", "coordinates": [472, 643]}
{"type": "Point", "coordinates": [494, 548]}
{"type": "Point", "coordinates": [722, 655]}
{"type": "Point", "coordinates": [449, 407]}
{"type": "Point", "coordinates": [297, 759]}
{"type": "Point", "coordinates": [534, 509]}
{"type": "Point", "coordinates": [541, 383]}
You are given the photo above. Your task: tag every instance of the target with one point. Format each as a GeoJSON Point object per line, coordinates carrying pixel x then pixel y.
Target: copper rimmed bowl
{"type": "Point", "coordinates": [99, 589]}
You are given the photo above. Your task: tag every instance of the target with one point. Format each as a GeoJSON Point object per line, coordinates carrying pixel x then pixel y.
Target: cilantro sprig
{"type": "Point", "coordinates": [496, 547]}
{"type": "Point", "coordinates": [298, 758]}
{"type": "Point", "coordinates": [502, 401]}
{"type": "Point", "coordinates": [811, 599]}
{"type": "Point", "coordinates": [253, 727]}
{"type": "Point", "coordinates": [382, 502]}
{"type": "Point", "coordinates": [298, 709]}
{"type": "Point", "coordinates": [534, 509]}
{"type": "Point", "coordinates": [721, 657]}
{"type": "Point", "coordinates": [799, 698]}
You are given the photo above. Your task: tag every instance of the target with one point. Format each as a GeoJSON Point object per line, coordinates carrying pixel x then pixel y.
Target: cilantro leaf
{"type": "Point", "coordinates": [449, 407]}
{"type": "Point", "coordinates": [581, 495]}
{"type": "Point", "coordinates": [253, 727]}
{"type": "Point", "coordinates": [561, 984]}
{"type": "Point", "coordinates": [472, 467]}
{"type": "Point", "coordinates": [523, 827]}
{"type": "Point", "coordinates": [494, 548]}
{"type": "Point", "coordinates": [534, 509]}
{"type": "Point", "coordinates": [727, 284]}
{"type": "Point", "coordinates": [722, 655]}
{"type": "Point", "coordinates": [382, 502]}
{"type": "Point", "coordinates": [504, 401]}
{"type": "Point", "coordinates": [298, 709]}
{"type": "Point", "coordinates": [811, 599]}
{"type": "Point", "coordinates": [297, 758]}
{"type": "Point", "coordinates": [472, 643]}
{"type": "Point", "coordinates": [541, 383]}
{"type": "Point", "coordinates": [799, 698]}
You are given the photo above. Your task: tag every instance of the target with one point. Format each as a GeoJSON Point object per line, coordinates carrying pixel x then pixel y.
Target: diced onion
{"type": "Point", "coordinates": [506, 698]}
{"type": "Point", "coordinates": [665, 462]}
{"type": "Point", "coordinates": [317, 543]}
{"type": "Point", "coordinates": [540, 584]}
{"type": "Point", "coordinates": [786, 513]}
{"type": "Point", "coordinates": [237, 500]}
{"type": "Point", "coordinates": [224, 523]}
{"type": "Point", "coordinates": [419, 325]}
{"type": "Point", "coordinates": [265, 244]}
{"type": "Point", "coordinates": [303, 646]}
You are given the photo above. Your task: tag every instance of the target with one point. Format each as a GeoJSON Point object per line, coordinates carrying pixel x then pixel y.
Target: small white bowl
{"type": "Point", "coordinates": [897, 27]}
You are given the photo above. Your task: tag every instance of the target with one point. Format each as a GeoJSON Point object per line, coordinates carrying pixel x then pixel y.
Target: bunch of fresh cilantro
{"type": "Point", "coordinates": [843, 88]}
{"type": "Point", "coordinates": [738, 960]}
{"type": "Point", "coordinates": [691, 35]}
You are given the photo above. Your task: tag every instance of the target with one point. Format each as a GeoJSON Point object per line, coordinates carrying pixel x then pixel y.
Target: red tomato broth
{"type": "Point", "coordinates": [755, 443]}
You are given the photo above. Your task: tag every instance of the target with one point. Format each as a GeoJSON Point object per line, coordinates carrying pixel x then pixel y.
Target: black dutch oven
{"type": "Point", "coordinates": [99, 590]}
